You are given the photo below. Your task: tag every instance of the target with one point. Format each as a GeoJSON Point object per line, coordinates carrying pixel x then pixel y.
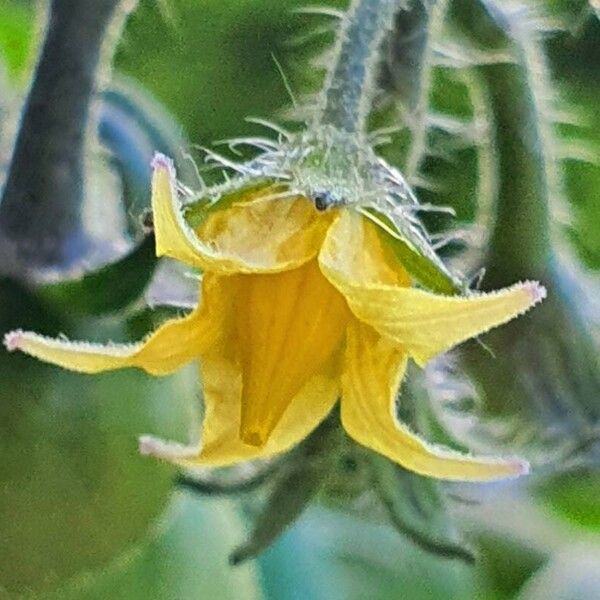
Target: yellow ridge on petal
{"type": "Point", "coordinates": [289, 326]}
{"type": "Point", "coordinates": [255, 235]}
{"type": "Point", "coordinates": [423, 323]}
{"type": "Point", "coordinates": [175, 343]}
{"type": "Point", "coordinates": [373, 372]}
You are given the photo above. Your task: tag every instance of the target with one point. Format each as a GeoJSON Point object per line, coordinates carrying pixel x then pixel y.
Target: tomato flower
{"type": "Point", "coordinates": [299, 308]}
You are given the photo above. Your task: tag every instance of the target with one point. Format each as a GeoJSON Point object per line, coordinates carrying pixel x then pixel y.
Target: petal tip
{"type": "Point", "coordinates": [13, 340]}
{"type": "Point", "coordinates": [147, 445]}
{"type": "Point", "coordinates": [521, 467]}
{"type": "Point", "coordinates": [536, 291]}
{"type": "Point", "coordinates": [169, 451]}
{"type": "Point", "coordinates": [161, 161]}
{"type": "Point", "coordinates": [511, 468]}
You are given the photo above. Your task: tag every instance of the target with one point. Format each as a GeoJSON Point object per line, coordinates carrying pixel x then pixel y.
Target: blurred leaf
{"type": "Point", "coordinates": [571, 575]}
{"type": "Point", "coordinates": [16, 19]}
{"type": "Point", "coordinates": [574, 497]}
{"type": "Point", "coordinates": [505, 564]}
{"type": "Point", "coordinates": [350, 559]}
{"type": "Point", "coordinates": [142, 322]}
{"type": "Point", "coordinates": [582, 178]}
{"type": "Point", "coordinates": [227, 47]}
{"type": "Point", "coordinates": [74, 490]}
{"type": "Point", "coordinates": [109, 289]}
{"type": "Point", "coordinates": [572, 12]}
{"type": "Point", "coordinates": [184, 557]}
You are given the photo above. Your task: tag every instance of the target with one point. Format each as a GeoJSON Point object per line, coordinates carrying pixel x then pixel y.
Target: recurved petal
{"type": "Point", "coordinates": [373, 372]}
{"type": "Point", "coordinates": [220, 440]}
{"type": "Point", "coordinates": [173, 344]}
{"type": "Point", "coordinates": [173, 236]}
{"type": "Point", "coordinates": [258, 234]}
{"type": "Point", "coordinates": [424, 324]}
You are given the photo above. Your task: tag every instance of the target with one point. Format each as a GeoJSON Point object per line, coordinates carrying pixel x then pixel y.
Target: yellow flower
{"type": "Point", "coordinates": [298, 309]}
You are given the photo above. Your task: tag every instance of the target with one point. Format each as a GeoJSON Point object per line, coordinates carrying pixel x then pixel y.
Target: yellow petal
{"type": "Point", "coordinates": [353, 251]}
{"type": "Point", "coordinates": [266, 235]}
{"type": "Point", "coordinates": [172, 345]}
{"type": "Point", "coordinates": [274, 375]}
{"type": "Point", "coordinates": [260, 235]}
{"type": "Point", "coordinates": [289, 325]}
{"type": "Point", "coordinates": [423, 323]}
{"type": "Point", "coordinates": [173, 236]}
{"type": "Point", "coordinates": [220, 440]}
{"type": "Point", "coordinates": [373, 372]}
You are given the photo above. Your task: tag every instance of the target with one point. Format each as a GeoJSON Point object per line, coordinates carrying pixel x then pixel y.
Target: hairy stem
{"type": "Point", "coordinates": [529, 181]}
{"type": "Point", "coordinates": [522, 213]}
{"type": "Point", "coordinates": [351, 81]}
{"type": "Point", "coordinates": [40, 213]}
{"type": "Point", "coordinates": [546, 363]}
{"type": "Point", "coordinates": [432, 18]}
{"type": "Point", "coordinates": [527, 169]}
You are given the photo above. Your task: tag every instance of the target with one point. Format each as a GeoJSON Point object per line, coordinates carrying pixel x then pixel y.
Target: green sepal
{"type": "Point", "coordinates": [417, 509]}
{"type": "Point", "coordinates": [110, 289]}
{"type": "Point", "coordinates": [296, 484]}
{"type": "Point", "coordinates": [289, 497]}
{"type": "Point", "coordinates": [415, 253]}
{"type": "Point", "coordinates": [213, 482]}
{"type": "Point", "coordinates": [348, 476]}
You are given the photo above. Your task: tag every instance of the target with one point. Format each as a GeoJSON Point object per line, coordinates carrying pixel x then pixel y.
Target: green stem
{"type": "Point", "coordinates": [40, 213]}
{"type": "Point", "coordinates": [432, 19]}
{"type": "Point", "coordinates": [351, 82]}
{"type": "Point", "coordinates": [519, 245]}
{"type": "Point", "coordinates": [546, 363]}
{"type": "Point", "coordinates": [527, 169]}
